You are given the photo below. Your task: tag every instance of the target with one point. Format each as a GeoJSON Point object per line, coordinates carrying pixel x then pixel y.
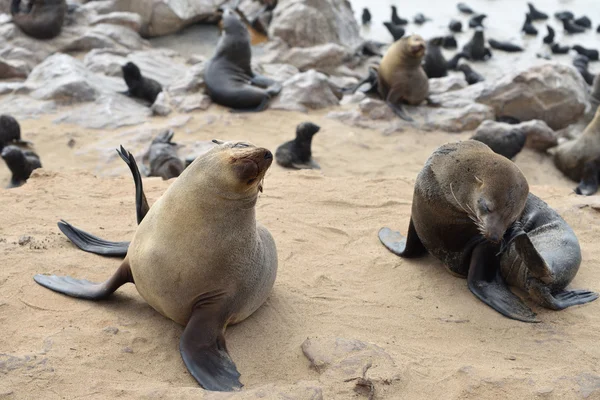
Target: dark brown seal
{"type": "Point", "coordinates": [229, 79]}
{"type": "Point", "coordinates": [43, 19]}
{"type": "Point", "coordinates": [21, 163]}
{"type": "Point", "coordinates": [139, 86]}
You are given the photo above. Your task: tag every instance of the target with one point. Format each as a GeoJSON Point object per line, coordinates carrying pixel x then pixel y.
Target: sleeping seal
{"type": "Point", "coordinates": [200, 258]}
{"type": "Point", "coordinates": [44, 19]}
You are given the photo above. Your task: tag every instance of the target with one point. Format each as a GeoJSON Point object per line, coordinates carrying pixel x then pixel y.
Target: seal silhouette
{"type": "Point", "coordinates": [200, 258]}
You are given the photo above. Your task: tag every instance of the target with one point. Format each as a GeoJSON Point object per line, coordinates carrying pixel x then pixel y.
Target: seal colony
{"type": "Point", "coordinates": [185, 272]}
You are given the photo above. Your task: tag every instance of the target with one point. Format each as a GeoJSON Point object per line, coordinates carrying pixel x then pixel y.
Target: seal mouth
{"type": "Point", "coordinates": [417, 49]}
{"type": "Point", "coordinates": [252, 168]}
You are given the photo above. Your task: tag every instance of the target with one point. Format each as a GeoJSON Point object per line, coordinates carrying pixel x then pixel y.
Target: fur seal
{"type": "Point", "coordinates": [506, 143]}
{"type": "Point", "coordinates": [467, 200]}
{"type": "Point", "coordinates": [366, 16]}
{"type": "Point", "coordinates": [564, 15]}
{"type": "Point", "coordinates": [434, 64]}
{"type": "Point", "coordinates": [471, 76]}
{"type": "Point", "coordinates": [583, 21]}
{"type": "Point", "coordinates": [396, 20]}
{"type": "Point", "coordinates": [571, 27]}
{"type": "Point", "coordinates": [549, 38]}
{"type": "Point", "coordinates": [477, 21]}
{"type": "Point", "coordinates": [10, 132]}
{"type": "Point", "coordinates": [475, 49]}
{"type": "Point", "coordinates": [581, 63]}
{"type": "Point", "coordinates": [504, 46]}
{"type": "Point", "coordinates": [229, 79]}
{"type": "Point", "coordinates": [21, 163]}
{"type": "Point", "coordinates": [528, 27]}
{"type": "Point", "coordinates": [200, 258]}
{"type": "Point", "coordinates": [162, 157]}
{"type": "Point", "coordinates": [465, 9]}
{"type": "Point", "coordinates": [400, 77]}
{"type": "Point", "coordinates": [138, 86]}
{"type": "Point", "coordinates": [297, 153]}
{"type": "Point", "coordinates": [591, 54]}
{"type": "Point", "coordinates": [44, 19]}
{"type": "Point", "coordinates": [455, 26]}
{"type": "Point", "coordinates": [449, 42]}
{"type": "Point", "coordinates": [535, 14]}
{"type": "Point", "coordinates": [579, 159]}
{"type": "Point", "coordinates": [558, 49]}
{"type": "Point", "coordinates": [395, 30]}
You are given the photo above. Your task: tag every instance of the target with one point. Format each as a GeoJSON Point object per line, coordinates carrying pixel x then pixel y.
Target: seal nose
{"type": "Point", "coordinates": [268, 155]}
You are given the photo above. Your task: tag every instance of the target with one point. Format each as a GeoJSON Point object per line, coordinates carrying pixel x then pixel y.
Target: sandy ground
{"type": "Point", "coordinates": [335, 279]}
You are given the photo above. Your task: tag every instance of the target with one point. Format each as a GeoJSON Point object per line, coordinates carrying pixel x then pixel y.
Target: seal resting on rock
{"type": "Point", "coordinates": [579, 159]}
{"type": "Point", "coordinates": [228, 75]}
{"type": "Point", "coordinates": [139, 86]}
{"type": "Point", "coordinates": [200, 258]}
{"type": "Point", "coordinates": [472, 210]}
{"type": "Point", "coordinates": [44, 19]}
{"type": "Point", "coordinates": [297, 153]}
{"type": "Point", "coordinates": [21, 163]}
{"type": "Point", "coordinates": [162, 157]}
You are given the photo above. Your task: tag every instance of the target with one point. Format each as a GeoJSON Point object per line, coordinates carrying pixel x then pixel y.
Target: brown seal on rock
{"type": "Point", "coordinates": [43, 19]}
{"type": "Point", "coordinates": [579, 159]}
{"type": "Point", "coordinates": [472, 210]}
{"type": "Point", "coordinates": [162, 157]}
{"type": "Point", "coordinates": [200, 258]}
{"type": "Point", "coordinates": [401, 78]}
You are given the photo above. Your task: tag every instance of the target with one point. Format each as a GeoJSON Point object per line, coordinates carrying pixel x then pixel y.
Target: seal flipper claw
{"type": "Point", "coordinates": [84, 289]}
{"type": "Point", "coordinates": [205, 354]}
{"type": "Point", "coordinates": [486, 283]}
{"type": "Point", "coordinates": [408, 247]}
{"type": "Point", "coordinates": [93, 244]}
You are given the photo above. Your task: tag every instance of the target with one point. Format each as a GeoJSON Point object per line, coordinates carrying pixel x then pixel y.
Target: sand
{"type": "Point", "coordinates": [335, 279]}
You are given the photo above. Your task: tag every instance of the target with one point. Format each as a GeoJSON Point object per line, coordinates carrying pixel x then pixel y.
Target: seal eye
{"type": "Point", "coordinates": [240, 144]}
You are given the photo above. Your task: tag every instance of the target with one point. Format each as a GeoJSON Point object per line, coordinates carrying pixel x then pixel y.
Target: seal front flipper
{"type": "Point", "coordinates": [204, 352]}
{"type": "Point", "coordinates": [486, 283]}
{"type": "Point", "coordinates": [83, 289]}
{"type": "Point", "coordinates": [141, 203]}
{"type": "Point", "coordinates": [93, 244]}
{"type": "Point", "coordinates": [408, 247]}
{"type": "Point", "coordinates": [589, 181]}
{"type": "Point", "coordinates": [399, 111]}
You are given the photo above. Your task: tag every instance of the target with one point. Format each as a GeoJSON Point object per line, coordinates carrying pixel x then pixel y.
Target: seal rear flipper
{"type": "Point", "coordinates": [534, 261]}
{"type": "Point", "coordinates": [83, 289]}
{"type": "Point", "coordinates": [141, 203]}
{"type": "Point", "coordinates": [205, 355]}
{"type": "Point", "coordinates": [559, 300]}
{"type": "Point", "coordinates": [485, 283]}
{"type": "Point", "coordinates": [408, 247]}
{"type": "Point", "coordinates": [589, 181]}
{"type": "Point", "coordinates": [399, 111]}
{"type": "Point", "coordinates": [93, 244]}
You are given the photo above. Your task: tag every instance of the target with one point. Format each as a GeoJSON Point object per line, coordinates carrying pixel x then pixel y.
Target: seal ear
{"type": "Point", "coordinates": [217, 141]}
{"type": "Point", "coordinates": [479, 181]}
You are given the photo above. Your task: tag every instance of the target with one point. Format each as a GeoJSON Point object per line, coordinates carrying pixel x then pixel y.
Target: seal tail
{"type": "Point", "coordinates": [93, 244]}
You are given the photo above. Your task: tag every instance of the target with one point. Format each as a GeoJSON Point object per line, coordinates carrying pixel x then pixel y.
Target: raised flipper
{"type": "Point", "coordinates": [487, 284]}
{"type": "Point", "coordinates": [93, 244]}
{"type": "Point", "coordinates": [408, 247]}
{"type": "Point", "coordinates": [559, 300]}
{"type": "Point", "coordinates": [141, 203]}
{"type": "Point", "coordinates": [204, 351]}
{"type": "Point", "coordinates": [83, 289]}
{"type": "Point", "coordinates": [399, 111]}
{"type": "Point", "coordinates": [589, 181]}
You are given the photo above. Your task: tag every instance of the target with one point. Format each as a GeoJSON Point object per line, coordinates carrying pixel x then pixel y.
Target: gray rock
{"type": "Point", "coordinates": [277, 72]}
{"type": "Point", "coordinates": [130, 20]}
{"type": "Point", "coordinates": [551, 92]}
{"type": "Point", "coordinates": [14, 69]}
{"type": "Point", "coordinates": [189, 103]}
{"type": "Point", "coordinates": [304, 91]}
{"type": "Point", "coordinates": [539, 135]}
{"type": "Point", "coordinates": [325, 57]}
{"type": "Point", "coordinates": [447, 84]}
{"type": "Point", "coordinates": [161, 105]}
{"type": "Point", "coordinates": [190, 81]}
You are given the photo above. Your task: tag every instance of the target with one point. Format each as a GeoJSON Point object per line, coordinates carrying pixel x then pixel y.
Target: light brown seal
{"type": "Point", "coordinates": [44, 19]}
{"type": "Point", "coordinates": [400, 76]}
{"type": "Point", "coordinates": [579, 159]}
{"type": "Point", "coordinates": [199, 257]}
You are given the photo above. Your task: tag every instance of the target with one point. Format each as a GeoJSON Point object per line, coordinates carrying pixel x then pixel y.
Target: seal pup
{"type": "Point", "coordinates": [558, 49]}
{"type": "Point", "coordinates": [579, 158]}
{"type": "Point", "coordinates": [528, 27]}
{"type": "Point", "coordinates": [475, 49]}
{"type": "Point", "coordinates": [44, 19]}
{"type": "Point", "coordinates": [455, 26]}
{"type": "Point", "coordinates": [201, 281]}
{"type": "Point", "coordinates": [549, 38]}
{"type": "Point", "coordinates": [366, 16]}
{"type": "Point", "coordinates": [139, 86]}
{"type": "Point", "coordinates": [395, 30]}
{"type": "Point", "coordinates": [504, 46]}
{"type": "Point", "coordinates": [465, 216]}
{"type": "Point", "coordinates": [465, 9]}
{"type": "Point", "coordinates": [506, 143]}
{"type": "Point", "coordinates": [10, 132]}
{"type": "Point", "coordinates": [297, 153]}
{"type": "Point", "coordinates": [162, 157]}
{"type": "Point", "coordinates": [471, 76]}
{"type": "Point", "coordinates": [229, 79]}
{"type": "Point", "coordinates": [21, 164]}
{"type": "Point", "coordinates": [396, 20]}
{"type": "Point", "coordinates": [477, 21]}
{"type": "Point", "coordinates": [434, 63]}
{"type": "Point", "coordinates": [581, 64]}
{"type": "Point", "coordinates": [571, 27]}
{"type": "Point", "coordinates": [583, 21]}
{"type": "Point", "coordinates": [535, 14]}
{"type": "Point", "coordinates": [400, 76]}
{"type": "Point", "coordinates": [591, 54]}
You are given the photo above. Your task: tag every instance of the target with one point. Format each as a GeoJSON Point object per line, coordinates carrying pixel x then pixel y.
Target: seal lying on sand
{"type": "Point", "coordinates": [162, 157]}
{"type": "Point", "coordinates": [21, 163]}
{"type": "Point", "coordinates": [138, 85]}
{"type": "Point", "coordinates": [229, 79]}
{"type": "Point", "coordinates": [579, 159]}
{"type": "Point", "coordinates": [467, 201]}
{"type": "Point", "coordinates": [44, 19]}
{"type": "Point", "coordinates": [200, 258]}
{"type": "Point", "coordinates": [297, 153]}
